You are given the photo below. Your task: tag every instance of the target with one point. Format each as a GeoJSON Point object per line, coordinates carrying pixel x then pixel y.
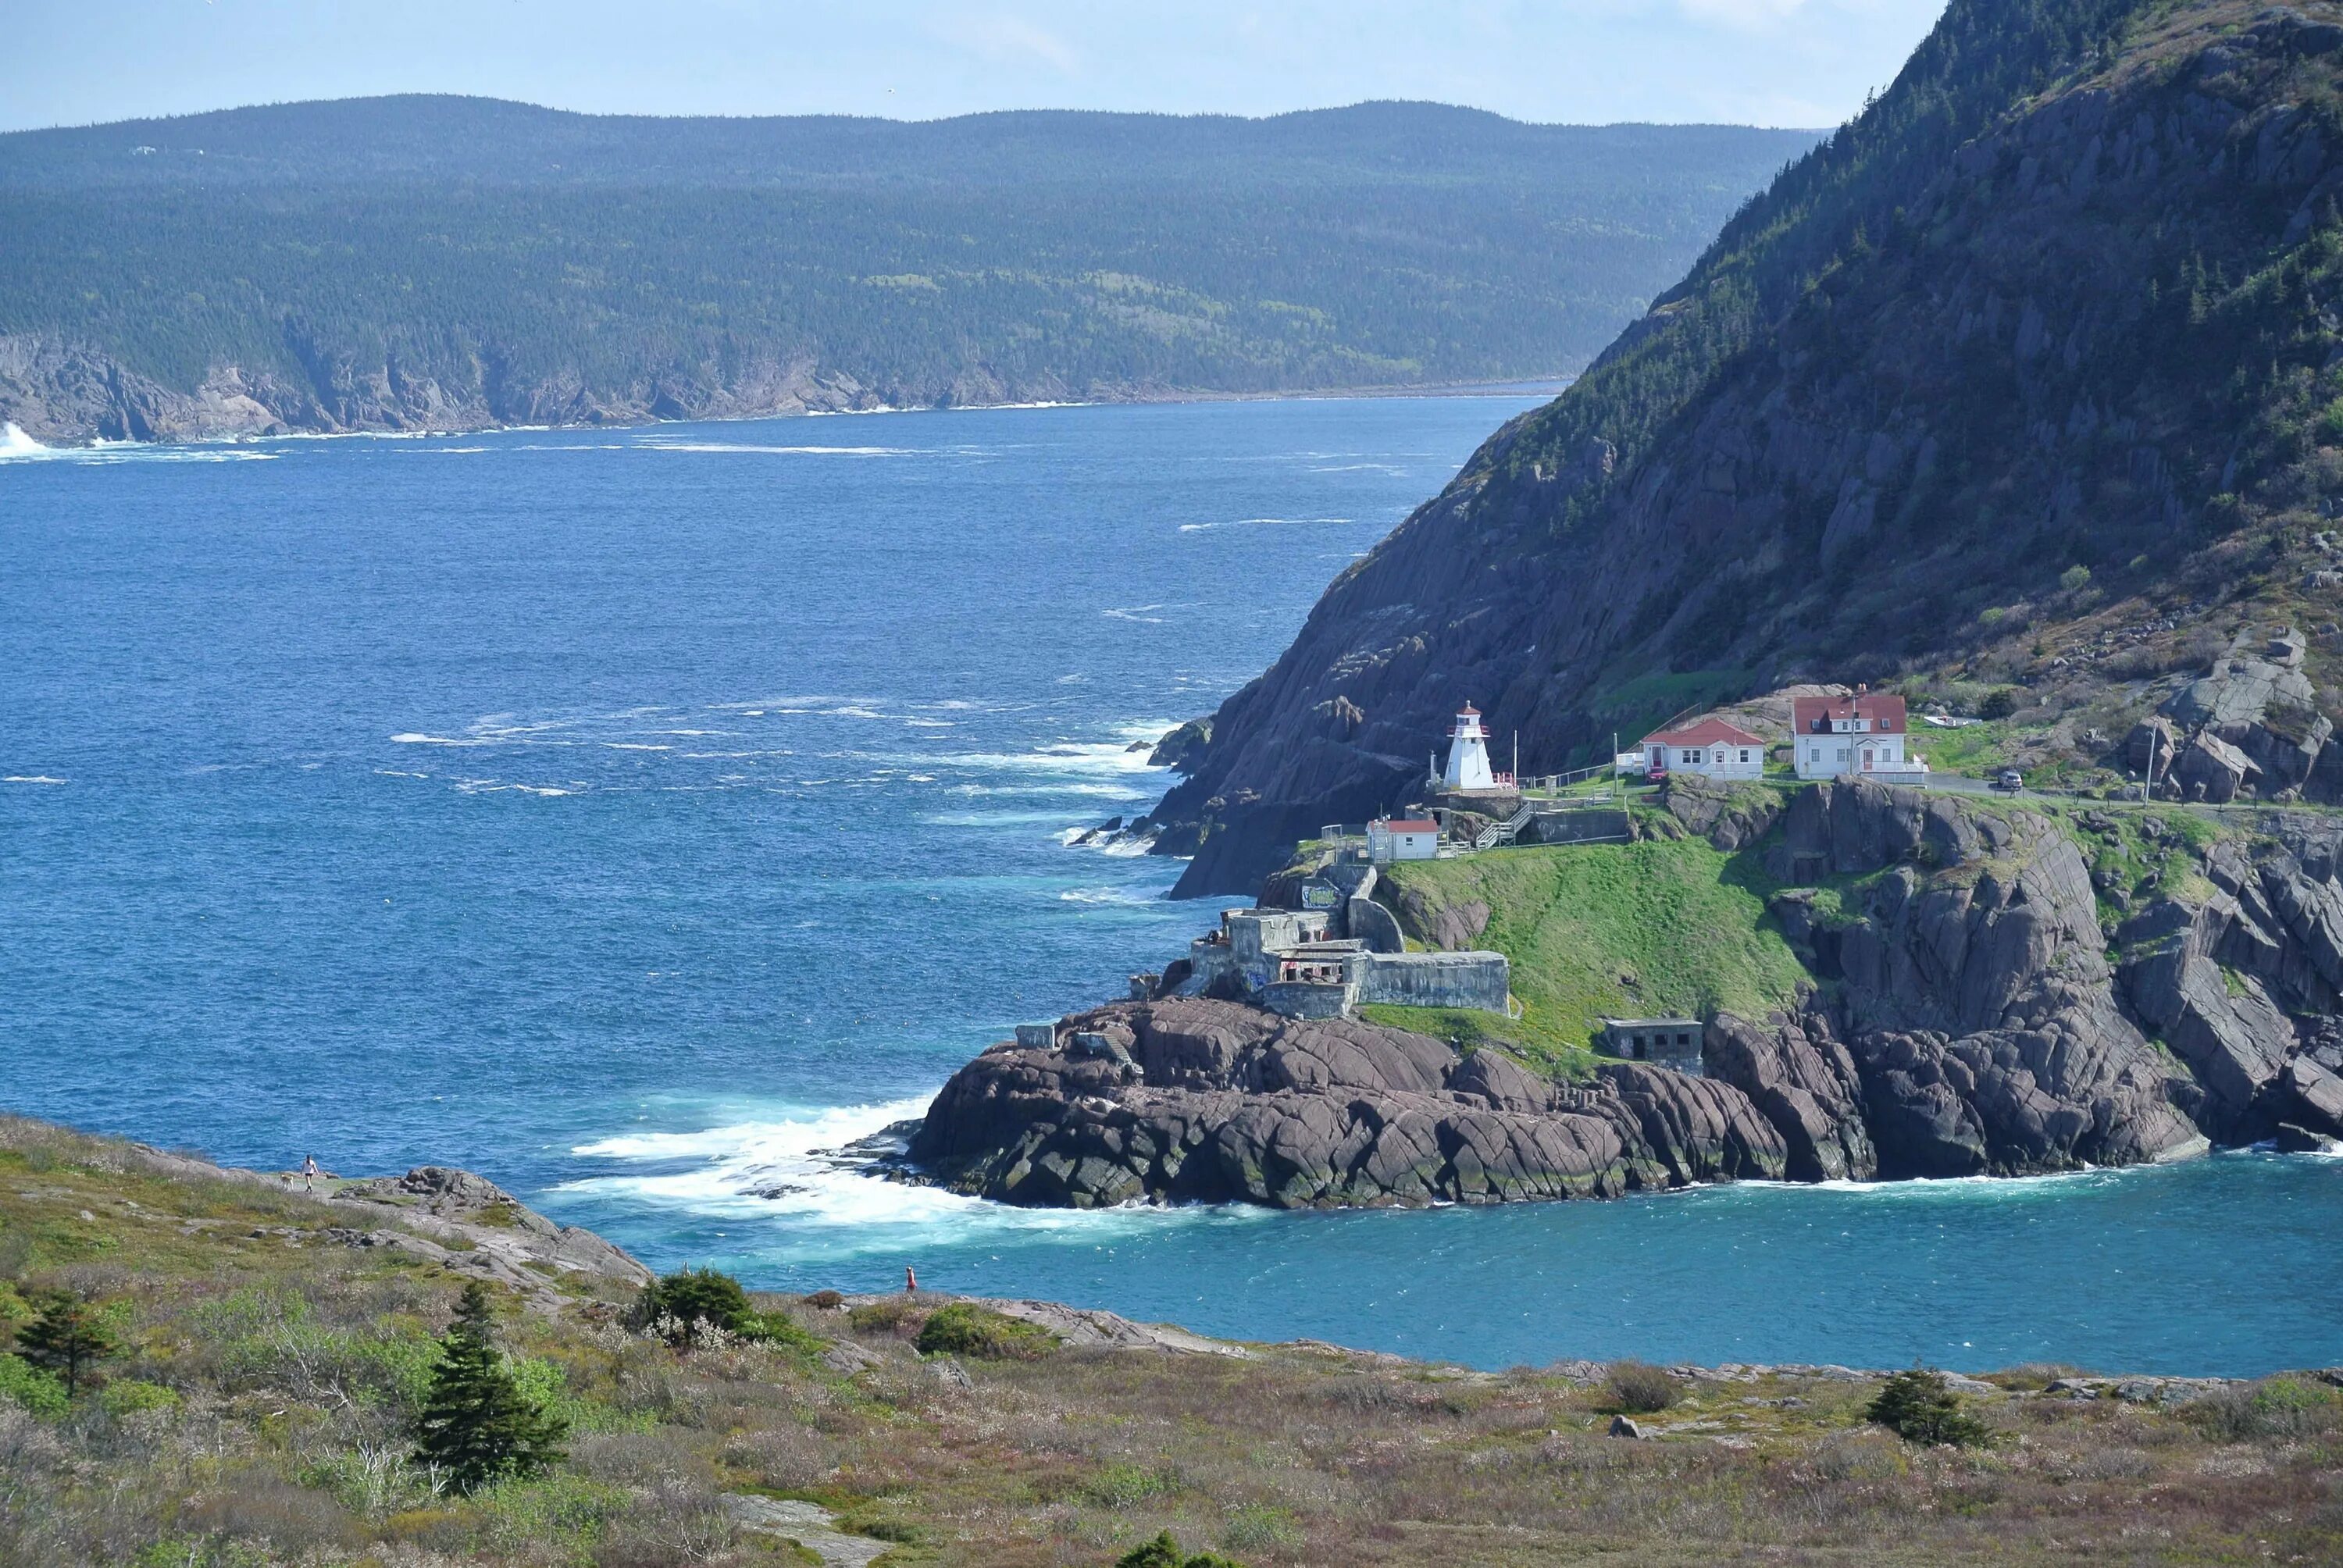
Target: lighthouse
{"type": "Point", "coordinates": [1468, 753]}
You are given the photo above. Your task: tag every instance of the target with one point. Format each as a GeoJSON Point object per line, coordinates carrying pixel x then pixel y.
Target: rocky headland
{"type": "Point", "coordinates": [1975, 1006]}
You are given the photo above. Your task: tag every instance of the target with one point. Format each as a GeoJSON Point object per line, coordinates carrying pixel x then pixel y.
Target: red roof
{"type": "Point", "coordinates": [1411, 824]}
{"type": "Point", "coordinates": [1707, 732]}
{"type": "Point", "coordinates": [1821, 715]}
{"type": "Point", "coordinates": [1468, 711]}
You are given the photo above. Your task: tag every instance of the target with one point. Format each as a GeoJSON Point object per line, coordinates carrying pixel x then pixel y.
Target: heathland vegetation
{"type": "Point", "coordinates": [265, 1376]}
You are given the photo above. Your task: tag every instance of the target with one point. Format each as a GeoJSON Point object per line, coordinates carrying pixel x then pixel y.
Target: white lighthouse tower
{"type": "Point", "coordinates": [1468, 753]}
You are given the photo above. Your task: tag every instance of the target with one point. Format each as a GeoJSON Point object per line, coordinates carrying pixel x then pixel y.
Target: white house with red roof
{"type": "Point", "coordinates": [1861, 733]}
{"type": "Point", "coordinates": [1712, 747]}
{"type": "Point", "coordinates": [1391, 838]}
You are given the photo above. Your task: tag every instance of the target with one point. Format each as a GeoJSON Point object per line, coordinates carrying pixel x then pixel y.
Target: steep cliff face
{"type": "Point", "coordinates": [2060, 299]}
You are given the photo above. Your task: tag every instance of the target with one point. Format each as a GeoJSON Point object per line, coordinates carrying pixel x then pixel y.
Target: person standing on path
{"type": "Point", "coordinates": [308, 1173]}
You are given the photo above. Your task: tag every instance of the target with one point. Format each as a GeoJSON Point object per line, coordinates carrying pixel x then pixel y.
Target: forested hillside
{"type": "Point", "coordinates": [2025, 386]}
{"type": "Point", "coordinates": [405, 262]}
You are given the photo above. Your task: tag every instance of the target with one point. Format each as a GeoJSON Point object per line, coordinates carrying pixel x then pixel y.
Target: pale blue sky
{"type": "Point", "coordinates": [1769, 61]}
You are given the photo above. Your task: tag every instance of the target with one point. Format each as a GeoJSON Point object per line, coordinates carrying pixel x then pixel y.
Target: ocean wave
{"type": "Point", "coordinates": [30, 779]}
{"type": "Point", "coordinates": [1102, 896]}
{"type": "Point", "coordinates": [15, 447]}
{"type": "Point", "coordinates": [1262, 522]}
{"type": "Point", "coordinates": [794, 1166]}
{"type": "Point", "coordinates": [498, 787]}
{"type": "Point", "coordinates": [658, 444]}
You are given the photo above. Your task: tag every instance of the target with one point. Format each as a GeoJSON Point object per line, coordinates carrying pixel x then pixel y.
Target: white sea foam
{"type": "Point", "coordinates": [792, 1166]}
{"type": "Point", "coordinates": [29, 779]}
{"type": "Point", "coordinates": [15, 445]}
{"type": "Point", "coordinates": [498, 787]}
{"type": "Point", "coordinates": [658, 444]}
{"type": "Point", "coordinates": [1104, 896]}
{"type": "Point", "coordinates": [1262, 522]}
{"type": "Point", "coordinates": [18, 446]}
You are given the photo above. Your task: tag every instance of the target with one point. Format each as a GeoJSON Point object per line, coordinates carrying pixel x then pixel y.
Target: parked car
{"type": "Point", "coordinates": [1656, 773]}
{"type": "Point", "coordinates": [2008, 781]}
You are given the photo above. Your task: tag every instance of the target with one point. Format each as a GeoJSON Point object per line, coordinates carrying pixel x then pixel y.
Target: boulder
{"type": "Point", "coordinates": [2210, 768]}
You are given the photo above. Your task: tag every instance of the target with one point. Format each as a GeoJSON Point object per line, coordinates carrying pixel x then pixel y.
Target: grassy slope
{"type": "Point", "coordinates": [258, 1419]}
{"type": "Point", "coordinates": [1663, 927]}
{"type": "Point", "coordinates": [1642, 930]}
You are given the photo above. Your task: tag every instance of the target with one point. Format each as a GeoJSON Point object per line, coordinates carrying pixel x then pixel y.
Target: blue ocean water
{"type": "Point", "coordinates": [634, 816]}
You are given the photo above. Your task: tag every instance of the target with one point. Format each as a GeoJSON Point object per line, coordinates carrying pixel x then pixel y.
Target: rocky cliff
{"type": "Point", "coordinates": [61, 391]}
{"type": "Point", "coordinates": [1975, 1009]}
{"type": "Point", "coordinates": [2023, 378]}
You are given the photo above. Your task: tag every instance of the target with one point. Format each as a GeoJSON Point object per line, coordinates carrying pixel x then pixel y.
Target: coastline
{"type": "Point", "coordinates": [35, 446]}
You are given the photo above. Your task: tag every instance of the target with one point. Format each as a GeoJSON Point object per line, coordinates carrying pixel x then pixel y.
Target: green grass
{"type": "Point", "coordinates": [1642, 930]}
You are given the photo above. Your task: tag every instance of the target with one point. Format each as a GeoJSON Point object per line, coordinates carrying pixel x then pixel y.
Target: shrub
{"type": "Point", "coordinates": [827, 1301]}
{"type": "Point", "coordinates": [129, 1396]}
{"type": "Point", "coordinates": [1127, 1486]}
{"type": "Point", "coordinates": [1641, 1389]}
{"type": "Point", "coordinates": [684, 1306]}
{"type": "Point", "coordinates": [966, 1329]}
{"type": "Point", "coordinates": [1919, 1407]}
{"type": "Point", "coordinates": [1164, 1552]}
{"type": "Point", "coordinates": [890, 1316]}
{"type": "Point", "coordinates": [36, 1390]}
{"type": "Point", "coordinates": [2075, 577]}
{"type": "Point", "coordinates": [2281, 1407]}
{"type": "Point", "coordinates": [1999, 703]}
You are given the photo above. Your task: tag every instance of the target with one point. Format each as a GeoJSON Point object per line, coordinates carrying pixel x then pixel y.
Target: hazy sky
{"type": "Point", "coordinates": [1771, 61]}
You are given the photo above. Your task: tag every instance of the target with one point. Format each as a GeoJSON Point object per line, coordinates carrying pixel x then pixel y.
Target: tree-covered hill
{"type": "Point", "coordinates": [396, 262]}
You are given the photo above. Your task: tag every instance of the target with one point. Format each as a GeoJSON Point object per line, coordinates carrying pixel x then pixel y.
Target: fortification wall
{"type": "Point", "coordinates": [1306, 999]}
{"type": "Point", "coordinates": [1478, 980]}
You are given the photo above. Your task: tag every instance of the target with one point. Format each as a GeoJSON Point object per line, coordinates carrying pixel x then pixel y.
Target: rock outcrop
{"type": "Point", "coordinates": [1968, 1016]}
{"type": "Point", "coordinates": [1223, 1102]}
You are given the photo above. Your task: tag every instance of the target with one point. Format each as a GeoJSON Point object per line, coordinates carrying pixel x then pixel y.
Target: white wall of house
{"type": "Point", "coordinates": [1383, 846]}
{"type": "Point", "coordinates": [1850, 751]}
{"type": "Point", "coordinates": [1716, 762]}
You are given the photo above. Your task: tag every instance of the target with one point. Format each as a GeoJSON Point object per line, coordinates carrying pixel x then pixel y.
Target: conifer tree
{"type": "Point", "coordinates": [68, 1338]}
{"type": "Point", "coordinates": [477, 1425]}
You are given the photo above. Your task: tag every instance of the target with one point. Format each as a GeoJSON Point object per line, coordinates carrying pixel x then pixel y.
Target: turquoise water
{"type": "Point", "coordinates": [634, 816]}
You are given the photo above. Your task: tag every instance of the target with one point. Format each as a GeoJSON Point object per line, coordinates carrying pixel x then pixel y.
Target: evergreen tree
{"type": "Point", "coordinates": [477, 1425]}
{"type": "Point", "coordinates": [67, 1338]}
{"type": "Point", "coordinates": [1920, 1407]}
